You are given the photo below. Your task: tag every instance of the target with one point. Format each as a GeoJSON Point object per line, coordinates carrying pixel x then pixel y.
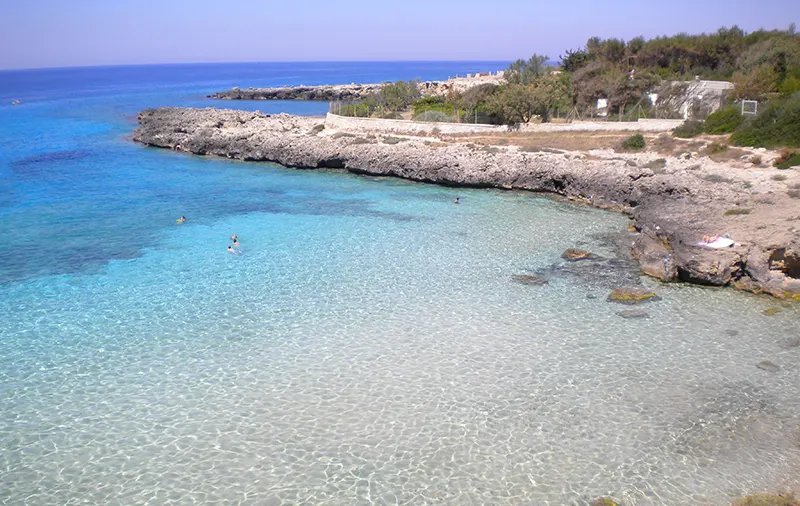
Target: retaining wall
{"type": "Point", "coordinates": [399, 126]}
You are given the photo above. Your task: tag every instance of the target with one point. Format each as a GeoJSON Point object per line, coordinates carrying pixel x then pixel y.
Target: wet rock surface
{"type": "Point", "coordinates": [671, 211]}
{"type": "Point", "coordinates": [632, 295]}
{"type": "Point", "coordinates": [573, 255]}
{"type": "Point", "coordinates": [768, 366]}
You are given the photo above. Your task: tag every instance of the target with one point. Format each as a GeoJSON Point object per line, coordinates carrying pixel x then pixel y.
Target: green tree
{"type": "Point", "coordinates": [574, 60]}
{"type": "Point", "coordinates": [524, 72]}
{"type": "Point", "coordinates": [550, 93]}
{"type": "Point", "coordinates": [397, 96]}
{"type": "Point", "coordinates": [514, 104]}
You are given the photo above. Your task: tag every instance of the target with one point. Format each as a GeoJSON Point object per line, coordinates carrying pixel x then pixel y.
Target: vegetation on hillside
{"type": "Point", "coordinates": [763, 65]}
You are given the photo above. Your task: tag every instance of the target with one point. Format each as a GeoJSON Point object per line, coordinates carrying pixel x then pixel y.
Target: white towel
{"type": "Point", "coordinates": [721, 242]}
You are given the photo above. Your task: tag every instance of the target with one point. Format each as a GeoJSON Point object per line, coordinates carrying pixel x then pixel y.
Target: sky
{"type": "Point", "coordinates": [67, 33]}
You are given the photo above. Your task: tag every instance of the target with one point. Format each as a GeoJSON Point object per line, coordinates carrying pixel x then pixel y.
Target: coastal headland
{"type": "Point", "coordinates": [674, 200]}
{"type": "Point", "coordinates": [354, 91]}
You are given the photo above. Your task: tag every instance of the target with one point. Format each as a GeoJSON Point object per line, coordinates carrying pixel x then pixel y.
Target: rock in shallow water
{"type": "Point", "coordinates": [789, 343]}
{"type": "Point", "coordinates": [627, 295]}
{"type": "Point", "coordinates": [633, 313]}
{"type": "Point", "coordinates": [768, 366]}
{"type": "Point", "coordinates": [529, 279]}
{"type": "Point", "coordinates": [573, 254]}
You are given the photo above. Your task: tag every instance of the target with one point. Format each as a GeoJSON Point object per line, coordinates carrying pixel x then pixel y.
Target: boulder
{"type": "Point", "coordinates": [529, 279]}
{"type": "Point", "coordinates": [628, 295]}
{"type": "Point", "coordinates": [574, 254]}
{"type": "Point", "coordinates": [768, 366]}
{"type": "Point", "coordinates": [633, 313]}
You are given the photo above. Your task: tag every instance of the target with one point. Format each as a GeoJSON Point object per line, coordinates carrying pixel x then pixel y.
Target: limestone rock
{"type": "Point", "coordinates": [633, 313]}
{"type": "Point", "coordinates": [768, 366]}
{"type": "Point", "coordinates": [628, 295]}
{"type": "Point", "coordinates": [574, 254]}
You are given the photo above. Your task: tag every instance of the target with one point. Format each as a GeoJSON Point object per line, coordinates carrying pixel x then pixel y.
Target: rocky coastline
{"type": "Point", "coordinates": [671, 208]}
{"type": "Point", "coordinates": [347, 92]}
{"type": "Point", "coordinates": [350, 92]}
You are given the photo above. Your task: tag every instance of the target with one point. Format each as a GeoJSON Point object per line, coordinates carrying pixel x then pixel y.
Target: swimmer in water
{"type": "Point", "coordinates": [456, 200]}
{"type": "Point", "coordinates": [234, 237]}
{"type": "Point", "coordinates": [236, 243]}
{"type": "Point", "coordinates": [181, 219]}
{"type": "Point", "coordinates": [235, 252]}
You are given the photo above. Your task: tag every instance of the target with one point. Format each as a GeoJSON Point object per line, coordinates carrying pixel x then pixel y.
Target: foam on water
{"type": "Point", "coordinates": [368, 347]}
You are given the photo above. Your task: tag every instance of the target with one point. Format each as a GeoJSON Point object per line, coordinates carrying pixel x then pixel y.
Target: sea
{"type": "Point", "coordinates": [370, 344]}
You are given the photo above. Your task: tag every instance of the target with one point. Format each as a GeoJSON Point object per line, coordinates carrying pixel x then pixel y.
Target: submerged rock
{"type": "Point", "coordinates": [771, 311]}
{"type": "Point", "coordinates": [768, 366]}
{"type": "Point", "coordinates": [573, 254]}
{"type": "Point", "coordinates": [633, 313]}
{"type": "Point", "coordinates": [529, 279]}
{"type": "Point", "coordinates": [628, 295]}
{"type": "Point", "coordinates": [731, 332]}
{"type": "Point", "coordinates": [789, 343]}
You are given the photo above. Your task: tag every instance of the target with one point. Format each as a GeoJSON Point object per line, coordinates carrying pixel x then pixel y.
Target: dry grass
{"type": "Point", "coordinates": [540, 141]}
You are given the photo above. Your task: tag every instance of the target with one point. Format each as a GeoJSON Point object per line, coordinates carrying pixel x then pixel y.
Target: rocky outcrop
{"type": "Point", "coordinates": [324, 92]}
{"type": "Point", "coordinates": [349, 91]}
{"type": "Point", "coordinates": [573, 255]}
{"type": "Point", "coordinates": [671, 211]}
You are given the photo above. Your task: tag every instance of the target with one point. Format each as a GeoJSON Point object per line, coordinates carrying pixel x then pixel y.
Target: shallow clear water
{"type": "Point", "coordinates": [369, 345]}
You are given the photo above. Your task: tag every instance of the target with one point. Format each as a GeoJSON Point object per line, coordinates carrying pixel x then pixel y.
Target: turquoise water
{"type": "Point", "coordinates": [368, 346]}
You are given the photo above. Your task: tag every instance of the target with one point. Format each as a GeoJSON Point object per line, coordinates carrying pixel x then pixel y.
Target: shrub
{"type": "Point", "coordinates": [689, 128]}
{"type": "Point", "coordinates": [434, 116]}
{"type": "Point", "coordinates": [795, 194]}
{"type": "Point", "coordinates": [778, 124]}
{"type": "Point", "coordinates": [779, 177]}
{"type": "Point", "coordinates": [723, 121]}
{"type": "Point", "coordinates": [756, 160]}
{"type": "Point", "coordinates": [716, 147]}
{"type": "Point", "coordinates": [360, 140]}
{"type": "Point", "coordinates": [787, 159]}
{"type": "Point", "coordinates": [393, 140]}
{"type": "Point", "coordinates": [737, 211]}
{"type": "Point", "coordinates": [317, 129]}
{"type": "Point", "coordinates": [634, 142]}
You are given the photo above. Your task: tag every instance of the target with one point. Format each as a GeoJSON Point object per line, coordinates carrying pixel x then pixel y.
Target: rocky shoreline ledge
{"type": "Point", "coordinates": [350, 92]}
{"type": "Point", "coordinates": [673, 203]}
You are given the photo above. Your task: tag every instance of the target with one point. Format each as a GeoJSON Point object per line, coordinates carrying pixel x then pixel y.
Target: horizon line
{"type": "Point", "coordinates": [74, 67]}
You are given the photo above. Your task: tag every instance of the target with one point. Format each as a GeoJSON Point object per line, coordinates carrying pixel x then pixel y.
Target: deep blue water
{"type": "Point", "coordinates": [75, 193]}
{"type": "Point", "coordinates": [368, 347]}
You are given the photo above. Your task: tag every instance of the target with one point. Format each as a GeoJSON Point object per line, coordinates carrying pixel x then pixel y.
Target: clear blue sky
{"type": "Point", "coordinates": [57, 33]}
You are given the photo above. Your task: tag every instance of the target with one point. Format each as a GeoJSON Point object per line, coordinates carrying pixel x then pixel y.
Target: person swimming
{"type": "Point", "coordinates": [181, 219]}
{"type": "Point", "coordinates": [235, 252]}
{"type": "Point", "coordinates": [236, 243]}
{"type": "Point", "coordinates": [456, 201]}
{"type": "Point", "coordinates": [234, 237]}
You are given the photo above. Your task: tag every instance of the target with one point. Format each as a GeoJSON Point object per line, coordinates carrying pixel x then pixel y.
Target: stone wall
{"type": "Point", "coordinates": [398, 126]}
